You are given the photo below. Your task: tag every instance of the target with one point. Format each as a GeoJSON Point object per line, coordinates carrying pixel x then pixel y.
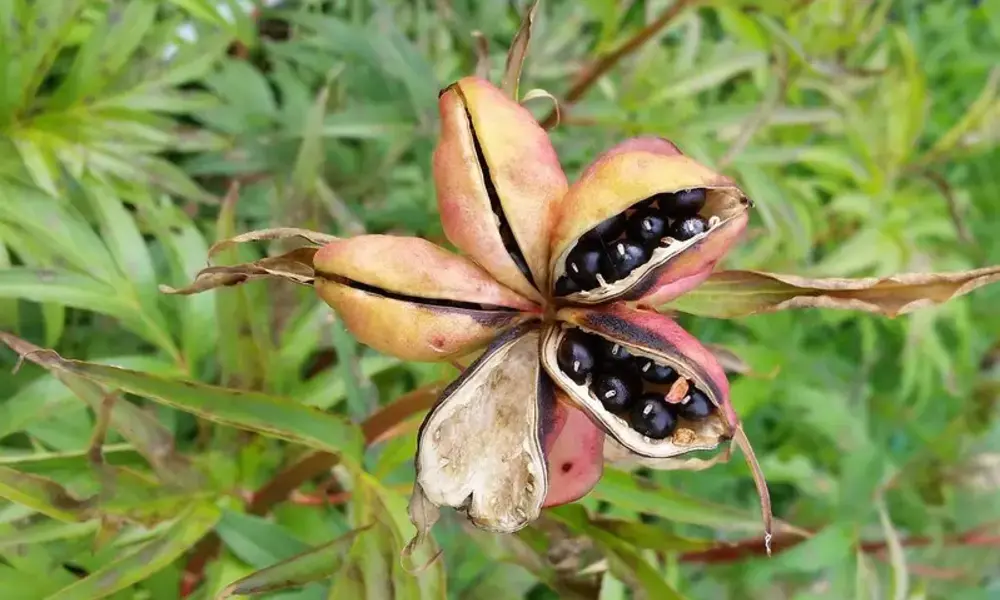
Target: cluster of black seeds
{"type": "Point", "coordinates": [616, 246]}
{"type": "Point", "coordinates": [623, 383]}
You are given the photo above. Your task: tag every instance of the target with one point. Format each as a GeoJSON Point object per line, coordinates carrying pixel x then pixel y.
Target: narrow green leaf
{"type": "Point", "coordinates": [46, 531]}
{"type": "Point", "coordinates": [138, 564]}
{"type": "Point", "coordinates": [622, 490]}
{"type": "Point", "coordinates": [624, 560]}
{"type": "Point", "coordinates": [123, 239]}
{"type": "Point", "coordinates": [257, 541]}
{"type": "Point", "coordinates": [41, 494]}
{"type": "Point", "coordinates": [316, 564]}
{"type": "Point", "coordinates": [8, 308]}
{"type": "Point", "coordinates": [60, 228]}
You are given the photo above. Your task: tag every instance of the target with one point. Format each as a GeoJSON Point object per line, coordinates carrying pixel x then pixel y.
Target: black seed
{"type": "Point", "coordinates": [617, 391]}
{"type": "Point", "coordinates": [653, 372]}
{"type": "Point", "coordinates": [623, 257]}
{"type": "Point", "coordinates": [575, 355]}
{"type": "Point", "coordinates": [615, 353]}
{"type": "Point", "coordinates": [688, 228]}
{"type": "Point", "coordinates": [566, 286]}
{"type": "Point", "coordinates": [646, 228]}
{"type": "Point", "coordinates": [608, 229]}
{"type": "Point", "coordinates": [583, 264]}
{"type": "Point", "coordinates": [688, 202]}
{"type": "Point", "coordinates": [697, 406]}
{"type": "Point", "coordinates": [651, 417]}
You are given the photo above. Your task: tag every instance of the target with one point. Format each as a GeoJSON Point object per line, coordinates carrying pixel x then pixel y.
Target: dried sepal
{"type": "Point", "coordinates": [497, 177]}
{"type": "Point", "coordinates": [411, 299]}
{"type": "Point", "coordinates": [480, 450]}
{"type": "Point", "coordinates": [294, 266]}
{"type": "Point", "coordinates": [729, 294]}
{"type": "Point", "coordinates": [314, 238]}
{"type": "Point", "coordinates": [653, 340]}
{"type": "Point", "coordinates": [643, 178]}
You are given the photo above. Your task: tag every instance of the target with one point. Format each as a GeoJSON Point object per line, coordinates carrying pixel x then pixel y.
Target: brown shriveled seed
{"type": "Point", "coordinates": [678, 391]}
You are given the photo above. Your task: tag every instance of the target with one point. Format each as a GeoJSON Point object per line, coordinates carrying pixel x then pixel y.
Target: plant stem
{"type": "Point", "coordinates": [591, 73]}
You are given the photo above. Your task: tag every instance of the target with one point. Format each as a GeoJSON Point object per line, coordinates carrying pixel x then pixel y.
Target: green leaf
{"type": "Point", "coordinates": [622, 490]}
{"type": "Point", "coordinates": [257, 541]}
{"type": "Point", "coordinates": [624, 560]}
{"type": "Point", "coordinates": [47, 531]}
{"type": "Point", "coordinates": [138, 564]}
{"type": "Point", "coordinates": [41, 494]}
{"type": "Point", "coordinates": [313, 565]}
{"type": "Point", "coordinates": [122, 237]}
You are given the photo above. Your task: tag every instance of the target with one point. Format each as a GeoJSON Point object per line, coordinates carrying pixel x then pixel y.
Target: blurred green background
{"type": "Point", "coordinates": [865, 130]}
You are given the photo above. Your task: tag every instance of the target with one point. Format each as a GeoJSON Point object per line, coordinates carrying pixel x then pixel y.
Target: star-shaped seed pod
{"type": "Point", "coordinates": [550, 285]}
{"type": "Point", "coordinates": [556, 308]}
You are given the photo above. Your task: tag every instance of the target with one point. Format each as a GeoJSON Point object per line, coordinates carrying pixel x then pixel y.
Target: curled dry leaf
{"type": "Point", "coordinates": [279, 233]}
{"type": "Point", "coordinates": [517, 53]}
{"type": "Point", "coordinates": [728, 294]}
{"type": "Point", "coordinates": [295, 266]}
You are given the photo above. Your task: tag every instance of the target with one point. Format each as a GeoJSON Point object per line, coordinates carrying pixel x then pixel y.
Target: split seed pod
{"type": "Point", "coordinates": [648, 335]}
{"type": "Point", "coordinates": [639, 175]}
{"type": "Point", "coordinates": [409, 298]}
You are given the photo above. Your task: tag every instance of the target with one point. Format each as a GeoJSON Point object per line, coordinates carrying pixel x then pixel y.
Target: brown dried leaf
{"type": "Point", "coordinates": [295, 266]}
{"type": "Point", "coordinates": [517, 53]}
{"type": "Point", "coordinates": [728, 294]}
{"type": "Point", "coordinates": [278, 233]}
{"type": "Point", "coordinates": [482, 55]}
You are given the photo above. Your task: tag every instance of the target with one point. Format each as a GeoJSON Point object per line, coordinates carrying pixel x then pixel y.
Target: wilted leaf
{"type": "Point", "coordinates": [254, 411]}
{"type": "Point", "coordinates": [41, 494]}
{"type": "Point", "coordinates": [146, 434]}
{"type": "Point", "coordinates": [142, 562]}
{"type": "Point", "coordinates": [728, 294]}
{"type": "Point", "coordinates": [315, 565]}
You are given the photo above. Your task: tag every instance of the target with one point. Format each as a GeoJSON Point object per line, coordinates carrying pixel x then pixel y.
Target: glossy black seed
{"type": "Point", "coordinates": [566, 286]}
{"type": "Point", "coordinates": [575, 355]}
{"type": "Point", "coordinates": [697, 407]}
{"type": "Point", "coordinates": [646, 228]}
{"type": "Point", "coordinates": [652, 417]}
{"type": "Point", "coordinates": [583, 265]}
{"type": "Point", "coordinates": [688, 202]}
{"type": "Point", "coordinates": [686, 229]}
{"type": "Point", "coordinates": [608, 229]}
{"type": "Point", "coordinates": [623, 257]}
{"type": "Point", "coordinates": [653, 372]}
{"type": "Point", "coordinates": [613, 353]}
{"type": "Point", "coordinates": [617, 391]}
